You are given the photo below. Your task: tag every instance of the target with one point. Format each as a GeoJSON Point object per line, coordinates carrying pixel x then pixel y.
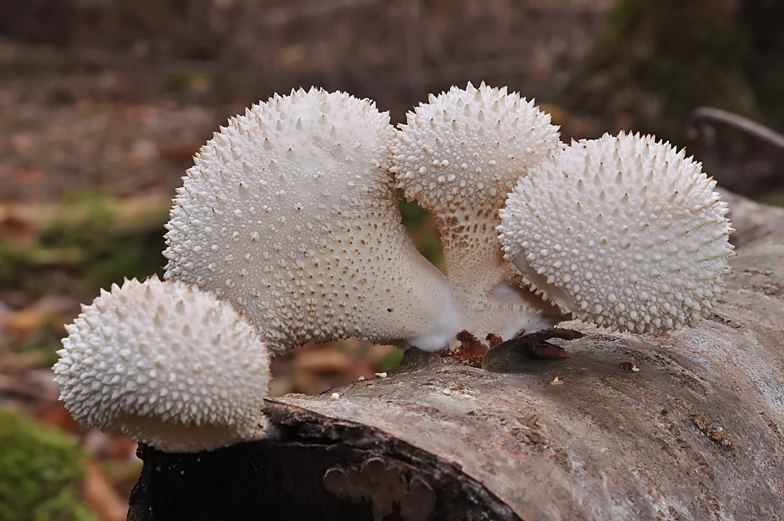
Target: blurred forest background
{"type": "Point", "coordinates": [103, 103]}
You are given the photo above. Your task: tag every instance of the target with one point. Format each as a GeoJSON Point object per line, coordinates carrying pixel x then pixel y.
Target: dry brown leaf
{"type": "Point", "coordinates": [102, 498]}
{"type": "Point", "coordinates": [323, 361]}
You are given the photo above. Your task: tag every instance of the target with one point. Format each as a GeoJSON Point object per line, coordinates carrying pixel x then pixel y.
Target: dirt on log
{"type": "Point", "coordinates": [689, 425]}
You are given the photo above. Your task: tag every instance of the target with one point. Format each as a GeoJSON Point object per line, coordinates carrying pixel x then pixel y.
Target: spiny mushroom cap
{"type": "Point", "coordinates": [167, 365]}
{"type": "Point", "coordinates": [290, 213]}
{"type": "Point", "coordinates": [460, 154]}
{"type": "Point", "coordinates": [622, 231]}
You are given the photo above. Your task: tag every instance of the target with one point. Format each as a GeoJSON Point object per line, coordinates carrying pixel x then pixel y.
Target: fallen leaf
{"type": "Point", "coordinates": [102, 498]}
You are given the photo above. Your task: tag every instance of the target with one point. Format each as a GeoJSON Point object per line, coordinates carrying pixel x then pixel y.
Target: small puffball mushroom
{"type": "Point", "coordinates": [623, 232]}
{"type": "Point", "coordinates": [459, 156]}
{"type": "Point", "coordinates": [167, 365]}
{"type": "Point", "coordinates": [290, 213]}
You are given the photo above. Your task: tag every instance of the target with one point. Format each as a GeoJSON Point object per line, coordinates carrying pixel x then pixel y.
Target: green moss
{"type": "Point", "coordinates": [11, 261]}
{"type": "Point", "coordinates": [422, 231]}
{"type": "Point", "coordinates": [84, 248]}
{"type": "Point", "coordinates": [43, 343]}
{"type": "Point", "coordinates": [41, 472]}
{"type": "Point", "coordinates": [391, 360]}
{"type": "Point", "coordinates": [98, 219]}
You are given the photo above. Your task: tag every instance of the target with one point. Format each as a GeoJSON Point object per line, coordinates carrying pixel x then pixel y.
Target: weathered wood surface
{"type": "Point", "coordinates": [696, 433]}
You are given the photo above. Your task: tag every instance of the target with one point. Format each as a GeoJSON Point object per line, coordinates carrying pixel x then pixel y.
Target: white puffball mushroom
{"type": "Point", "coordinates": [458, 156]}
{"type": "Point", "coordinates": [167, 365]}
{"type": "Point", "coordinates": [623, 232]}
{"type": "Point", "coordinates": [290, 213]}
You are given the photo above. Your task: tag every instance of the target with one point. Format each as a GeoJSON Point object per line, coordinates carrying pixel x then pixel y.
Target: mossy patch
{"type": "Point", "coordinates": [422, 231]}
{"type": "Point", "coordinates": [84, 247]}
{"type": "Point", "coordinates": [41, 472]}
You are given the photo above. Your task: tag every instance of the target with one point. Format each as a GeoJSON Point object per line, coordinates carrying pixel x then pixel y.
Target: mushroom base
{"type": "Point", "coordinates": [506, 311]}
{"type": "Point", "coordinates": [438, 337]}
{"type": "Point", "coordinates": [171, 436]}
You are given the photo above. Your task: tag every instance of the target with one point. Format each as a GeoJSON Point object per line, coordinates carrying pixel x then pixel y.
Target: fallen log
{"type": "Point", "coordinates": [688, 425]}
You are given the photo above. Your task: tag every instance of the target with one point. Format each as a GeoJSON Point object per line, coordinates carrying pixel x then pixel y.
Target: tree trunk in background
{"type": "Point", "coordinates": [697, 432]}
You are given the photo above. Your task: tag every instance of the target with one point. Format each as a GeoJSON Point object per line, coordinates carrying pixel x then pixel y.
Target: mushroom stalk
{"type": "Point", "coordinates": [459, 156]}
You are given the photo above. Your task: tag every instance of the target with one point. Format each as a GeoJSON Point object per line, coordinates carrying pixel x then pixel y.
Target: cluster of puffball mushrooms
{"type": "Point", "coordinates": [287, 230]}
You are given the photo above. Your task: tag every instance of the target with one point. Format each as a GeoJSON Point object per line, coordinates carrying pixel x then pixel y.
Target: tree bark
{"type": "Point", "coordinates": [688, 425]}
